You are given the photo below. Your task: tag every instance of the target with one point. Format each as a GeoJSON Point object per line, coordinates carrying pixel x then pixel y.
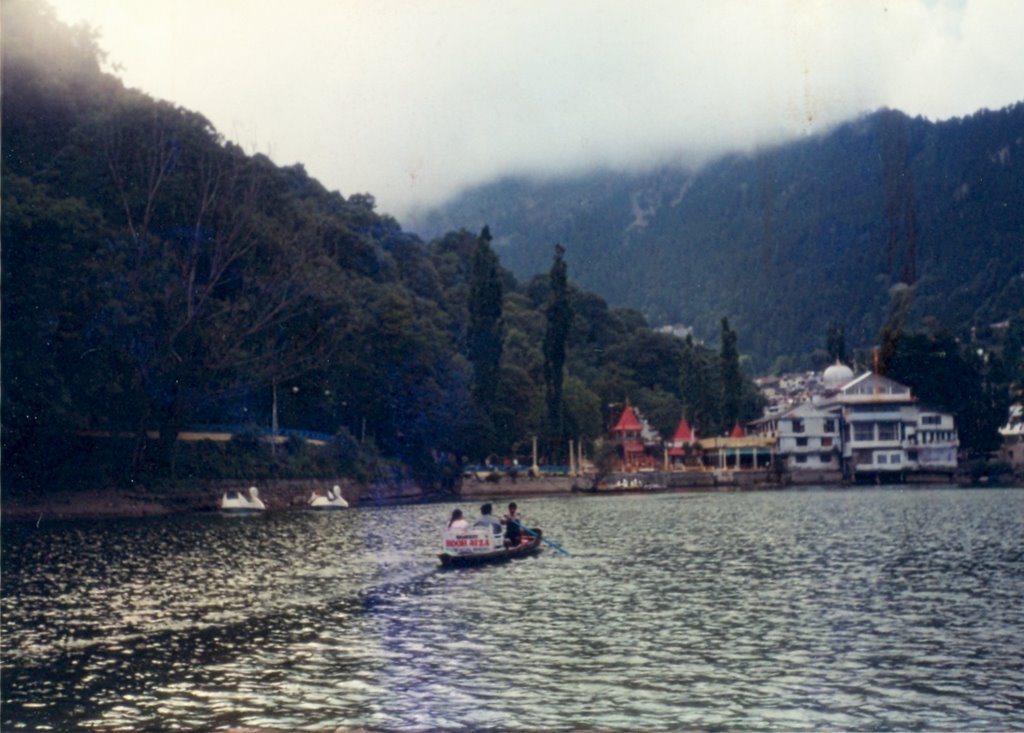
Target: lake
{"type": "Point", "coordinates": [829, 609]}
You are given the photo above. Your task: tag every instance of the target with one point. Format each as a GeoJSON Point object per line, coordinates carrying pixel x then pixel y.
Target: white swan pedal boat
{"type": "Point", "coordinates": [333, 501]}
{"type": "Point", "coordinates": [238, 502]}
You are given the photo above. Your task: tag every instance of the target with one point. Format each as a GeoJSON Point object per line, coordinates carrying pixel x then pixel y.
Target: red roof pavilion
{"type": "Point", "coordinates": [628, 422]}
{"type": "Point", "coordinates": [683, 434]}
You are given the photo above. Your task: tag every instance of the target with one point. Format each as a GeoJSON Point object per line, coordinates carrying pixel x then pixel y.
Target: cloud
{"type": "Point", "coordinates": [412, 100]}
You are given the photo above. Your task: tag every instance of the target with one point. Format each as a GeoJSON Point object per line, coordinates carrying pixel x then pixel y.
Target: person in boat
{"type": "Point", "coordinates": [488, 520]}
{"type": "Point", "coordinates": [457, 521]}
{"type": "Point", "coordinates": [513, 533]}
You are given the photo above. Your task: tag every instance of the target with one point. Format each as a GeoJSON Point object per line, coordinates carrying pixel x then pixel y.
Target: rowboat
{"type": "Point", "coordinates": [478, 546]}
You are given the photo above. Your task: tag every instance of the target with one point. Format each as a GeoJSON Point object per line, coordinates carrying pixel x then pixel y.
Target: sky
{"type": "Point", "coordinates": [415, 100]}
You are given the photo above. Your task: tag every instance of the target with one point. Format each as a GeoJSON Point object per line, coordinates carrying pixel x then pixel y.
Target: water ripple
{"type": "Point", "coordinates": [837, 610]}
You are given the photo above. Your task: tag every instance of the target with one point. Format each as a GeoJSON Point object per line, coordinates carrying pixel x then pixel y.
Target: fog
{"type": "Point", "coordinates": [413, 100]}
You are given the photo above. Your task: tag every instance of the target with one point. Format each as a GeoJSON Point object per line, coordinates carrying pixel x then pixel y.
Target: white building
{"type": "Point", "coordinates": [865, 427]}
{"type": "Point", "coordinates": [808, 437]}
{"type": "Point", "coordinates": [1012, 450]}
{"type": "Point", "coordinates": [886, 432]}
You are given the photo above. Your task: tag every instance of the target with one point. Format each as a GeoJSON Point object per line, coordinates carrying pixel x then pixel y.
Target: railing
{"type": "Point", "coordinates": [480, 469]}
{"type": "Point", "coordinates": [229, 431]}
{"type": "Point", "coordinates": [257, 430]}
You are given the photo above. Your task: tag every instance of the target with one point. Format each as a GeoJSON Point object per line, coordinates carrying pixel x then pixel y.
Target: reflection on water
{"type": "Point", "coordinates": [855, 610]}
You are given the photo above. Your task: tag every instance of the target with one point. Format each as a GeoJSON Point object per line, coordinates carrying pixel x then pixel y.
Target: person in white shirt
{"type": "Point", "coordinates": [488, 520]}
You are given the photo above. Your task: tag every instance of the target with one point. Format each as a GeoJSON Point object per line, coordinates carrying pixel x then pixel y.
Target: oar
{"type": "Point", "coordinates": [543, 539]}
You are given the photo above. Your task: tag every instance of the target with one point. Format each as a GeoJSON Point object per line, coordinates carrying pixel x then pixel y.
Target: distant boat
{"type": "Point", "coordinates": [237, 502]}
{"type": "Point", "coordinates": [333, 501]}
{"type": "Point", "coordinates": [479, 546]}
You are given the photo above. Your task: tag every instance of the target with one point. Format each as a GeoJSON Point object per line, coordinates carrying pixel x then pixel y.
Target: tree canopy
{"type": "Point", "coordinates": [156, 277]}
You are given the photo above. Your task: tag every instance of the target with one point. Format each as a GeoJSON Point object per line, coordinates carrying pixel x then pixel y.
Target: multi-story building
{"type": "Point", "coordinates": [865, 427]}
{"type": "Point", "coordinates": [887, 433]}
{"type": "Point", "coordinates": [1012, 450]}
{"type": "Point", "coordinates": [808, 438]}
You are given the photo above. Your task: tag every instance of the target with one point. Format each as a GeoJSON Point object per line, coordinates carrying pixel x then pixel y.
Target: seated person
{"type": "Point", "coordinates": [513, 532]}
{"type": "Point", "coordinates": [457, 522]}
{"type": "Point", "coordinates": [488, 520]}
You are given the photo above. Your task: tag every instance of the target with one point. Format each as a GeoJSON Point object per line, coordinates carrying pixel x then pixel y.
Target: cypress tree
{"type": "Point", "coordinates": [835, 343]}
{"type": "Point", "coordinates": [559, 318]}
{"type": "Point", "coordinates": [698, 389]}
{"type": "Point", "coordinates": [486, 329]}
{"type": "Point", "coordinates": [732, 379]}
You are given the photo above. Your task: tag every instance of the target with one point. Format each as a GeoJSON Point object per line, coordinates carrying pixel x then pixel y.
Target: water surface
{"type": "Point", "coordinates": [879, 609]}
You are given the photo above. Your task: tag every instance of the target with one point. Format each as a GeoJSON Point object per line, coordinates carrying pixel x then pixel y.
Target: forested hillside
{"type": "Point", "coordinates": [156, 277]}
{"type": "Point", "coordinates": [786, 240]}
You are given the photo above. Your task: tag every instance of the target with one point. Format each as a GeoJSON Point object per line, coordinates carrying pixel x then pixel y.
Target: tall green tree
{"type": "Point", "coordinates": [943, 374]}
{"type": "Point", "coordinates": [699, 388]}
{"type": "Point", "coordinates": [732, 377]}
{"type": "Point", "coordinates": [558, 315]}
{"type": "Point", "coordinates": [892, 330]}
{"type": "Point", "coordinates": [835, 343]}
{"type": "Point", "coordinates": [486, 331]}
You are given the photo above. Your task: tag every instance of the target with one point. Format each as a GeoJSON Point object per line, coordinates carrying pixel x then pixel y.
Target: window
{"type": "Point", "coordinates": [931, 420]}
{"type": "Point", "coordinates": [798, 425]}
{"type": "Point", "coordinates": [863, 431]}
{"type": "Point", "coordinates": [826, 442]}
{"type": "Point", "coordinates": [801, 442]}
{"type": "Point", "coordinates": [825, 458]}
{"type": "Point", "coordinates": [801, 459]}
{"type": "Point", "coordinates": [895, 459]}
{"type": "Point", "coordinates": [830, 425]}
{"type": "Point", "coordinates": [888, 431]}
{"type": "Point", "coordinates": [881, 459]}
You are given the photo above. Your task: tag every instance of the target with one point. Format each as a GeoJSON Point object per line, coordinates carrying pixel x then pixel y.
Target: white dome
{"type": "Point", "coordinates": [837, 375]}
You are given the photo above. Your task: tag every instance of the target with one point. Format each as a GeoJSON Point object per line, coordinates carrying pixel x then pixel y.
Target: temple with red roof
{"type": "Point", "coordinates": [628, 435]}
{"type": "Point", "coordinates": [682, 446]}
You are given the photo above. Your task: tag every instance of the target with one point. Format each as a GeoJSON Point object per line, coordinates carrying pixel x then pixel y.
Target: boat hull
{"type": "Point", "coordinates": [531, 545]}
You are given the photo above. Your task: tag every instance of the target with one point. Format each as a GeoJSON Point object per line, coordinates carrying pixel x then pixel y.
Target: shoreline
{"type": "Point", "coordinates": [292, 494]}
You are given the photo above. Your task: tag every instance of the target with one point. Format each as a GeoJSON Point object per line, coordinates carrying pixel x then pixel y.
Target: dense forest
{"type": "Point", "coordinates": [786, 240]}
{"type": "Point", "coordinates": [156, 277]}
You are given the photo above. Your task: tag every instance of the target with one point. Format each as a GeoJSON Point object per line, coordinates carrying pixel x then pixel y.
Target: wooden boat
{"type": "Point", "coordinates": [476, 546]}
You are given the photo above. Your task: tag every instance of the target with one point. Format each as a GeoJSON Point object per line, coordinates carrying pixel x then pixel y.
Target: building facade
{"type": "Point", "coordinates": [887, 433]}
{"type": "Point", "coordinates": [808, 438]}
{"type": "Point", "coordinates": [868, 427]}
{"type": "Point", "coordinates": [1012, 450]}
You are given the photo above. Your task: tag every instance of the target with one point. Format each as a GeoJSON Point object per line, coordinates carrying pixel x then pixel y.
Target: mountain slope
{"type": "Point", "coordinates": [786, 240]}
